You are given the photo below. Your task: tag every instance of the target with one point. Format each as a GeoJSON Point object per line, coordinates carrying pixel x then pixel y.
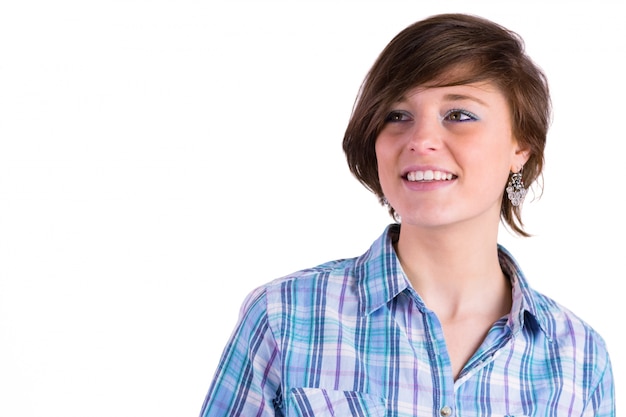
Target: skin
{"type": "Point", "coordinates": [448, 240]}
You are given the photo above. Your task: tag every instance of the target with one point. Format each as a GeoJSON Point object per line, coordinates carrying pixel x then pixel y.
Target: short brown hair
{"type": "Point", "coordinates": [425, 53]}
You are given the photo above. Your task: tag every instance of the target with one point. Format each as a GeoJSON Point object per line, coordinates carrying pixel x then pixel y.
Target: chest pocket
{"type": "Point", "coordinates": [319, 402]}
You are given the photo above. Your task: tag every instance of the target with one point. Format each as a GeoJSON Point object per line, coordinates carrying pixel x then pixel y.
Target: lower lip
{"type": "Point", "coordinates": [427, 185]}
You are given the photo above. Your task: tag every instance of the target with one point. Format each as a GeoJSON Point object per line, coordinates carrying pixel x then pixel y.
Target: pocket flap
{"type": "Point", "coordinates": [319, 402]}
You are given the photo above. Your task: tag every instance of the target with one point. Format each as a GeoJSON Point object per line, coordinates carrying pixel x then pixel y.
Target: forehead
{"type": "Point", "coordinates": [482, 92]}
{"type": "Point", "coordinates": [468, 72]}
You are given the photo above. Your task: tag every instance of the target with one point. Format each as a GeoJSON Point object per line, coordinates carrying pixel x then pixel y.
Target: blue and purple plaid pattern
{"type": "Point", "coordinates": [352, 338]}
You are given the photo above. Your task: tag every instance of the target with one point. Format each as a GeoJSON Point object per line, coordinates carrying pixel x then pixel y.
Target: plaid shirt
{"type": "Point", "coordinates": [352, 338]}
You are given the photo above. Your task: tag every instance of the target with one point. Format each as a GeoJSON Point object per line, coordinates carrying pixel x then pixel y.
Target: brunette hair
{"type": "Point", "coordinates": [427, 53]}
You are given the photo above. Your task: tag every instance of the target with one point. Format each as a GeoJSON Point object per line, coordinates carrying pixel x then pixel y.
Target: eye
{"type": "Point", "coordinates": [396, 116]}
{"type": "Point", "coordinates": [458, 115]}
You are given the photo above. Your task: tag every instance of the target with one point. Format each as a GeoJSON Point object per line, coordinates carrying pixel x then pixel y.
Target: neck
{"type": "Point", "coordinates": [454, 271]}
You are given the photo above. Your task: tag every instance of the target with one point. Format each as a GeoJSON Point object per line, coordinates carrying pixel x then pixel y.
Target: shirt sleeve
{"type": "Point", "coordinates": [602, 401]}
{"type": "Point", "coordinates": [247, 381]}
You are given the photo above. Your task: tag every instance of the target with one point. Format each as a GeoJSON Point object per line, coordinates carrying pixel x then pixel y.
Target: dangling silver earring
{"type": "Point", "coordinates": [515, 189]}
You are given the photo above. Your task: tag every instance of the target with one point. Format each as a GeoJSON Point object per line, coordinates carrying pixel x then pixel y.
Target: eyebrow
{"type": "Point", "coordinates": [460, 97]}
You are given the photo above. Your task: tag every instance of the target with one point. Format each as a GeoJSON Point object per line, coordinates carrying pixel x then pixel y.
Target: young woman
{"type": "Point", "coordinates": [436, 318]}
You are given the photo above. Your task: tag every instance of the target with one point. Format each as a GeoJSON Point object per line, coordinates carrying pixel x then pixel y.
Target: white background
{"type": "Point", "coordinates": [160, 159]}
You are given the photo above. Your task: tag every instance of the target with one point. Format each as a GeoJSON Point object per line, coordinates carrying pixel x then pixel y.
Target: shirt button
{"type": "Point", "coordinates": [445, 411]}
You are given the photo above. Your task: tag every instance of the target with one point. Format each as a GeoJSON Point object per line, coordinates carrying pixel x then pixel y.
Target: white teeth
{"type": "Point", "coordinates": [428, 175]}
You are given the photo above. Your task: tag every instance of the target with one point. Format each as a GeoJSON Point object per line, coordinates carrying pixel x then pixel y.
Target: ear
{"type": "Point", "coordinates": [520, 157]}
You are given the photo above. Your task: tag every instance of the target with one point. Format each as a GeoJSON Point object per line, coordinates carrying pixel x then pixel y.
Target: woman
{"type": "Point", "coordinates": [436, 318]}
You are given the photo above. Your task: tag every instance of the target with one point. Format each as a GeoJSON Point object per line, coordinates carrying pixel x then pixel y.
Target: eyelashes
{"type": "Point", "coordinates": [395, 116]}
{"type": "Point", "coordinates": [459, 115]}
{"type": "Point", "coordinates": [452, 115]}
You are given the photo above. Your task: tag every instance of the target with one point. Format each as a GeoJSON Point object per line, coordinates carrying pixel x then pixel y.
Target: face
{"type": "Point", "coordinates": [445, 153]}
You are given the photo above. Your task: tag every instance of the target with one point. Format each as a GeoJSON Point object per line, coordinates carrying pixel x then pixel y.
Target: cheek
{"type": "Point", "coordinates": [493, 153]}
{"type": "Point", "coordinates": [488, 166]}
{"type": "Point", "coordinates": [382, 155]}
{"type": "Point", "coordinates": [379, 147]}
{"type": "Point", "coordinates": [385, 164]}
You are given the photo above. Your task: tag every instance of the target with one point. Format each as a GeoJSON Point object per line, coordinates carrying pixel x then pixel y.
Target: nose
{"type": "Point", "coordinates": [425, 135]}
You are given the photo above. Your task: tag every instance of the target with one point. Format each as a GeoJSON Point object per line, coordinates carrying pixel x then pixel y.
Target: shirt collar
{"type": "Point", "coordinates": [379, 272]}
{"type": "Point", "coordinates": [381, 278]}
{"type": "Point", "coordinates": [525, 301]}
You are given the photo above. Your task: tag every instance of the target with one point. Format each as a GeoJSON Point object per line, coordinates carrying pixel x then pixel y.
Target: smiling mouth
{"type": "Point", "coordinates": [429, 175]}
